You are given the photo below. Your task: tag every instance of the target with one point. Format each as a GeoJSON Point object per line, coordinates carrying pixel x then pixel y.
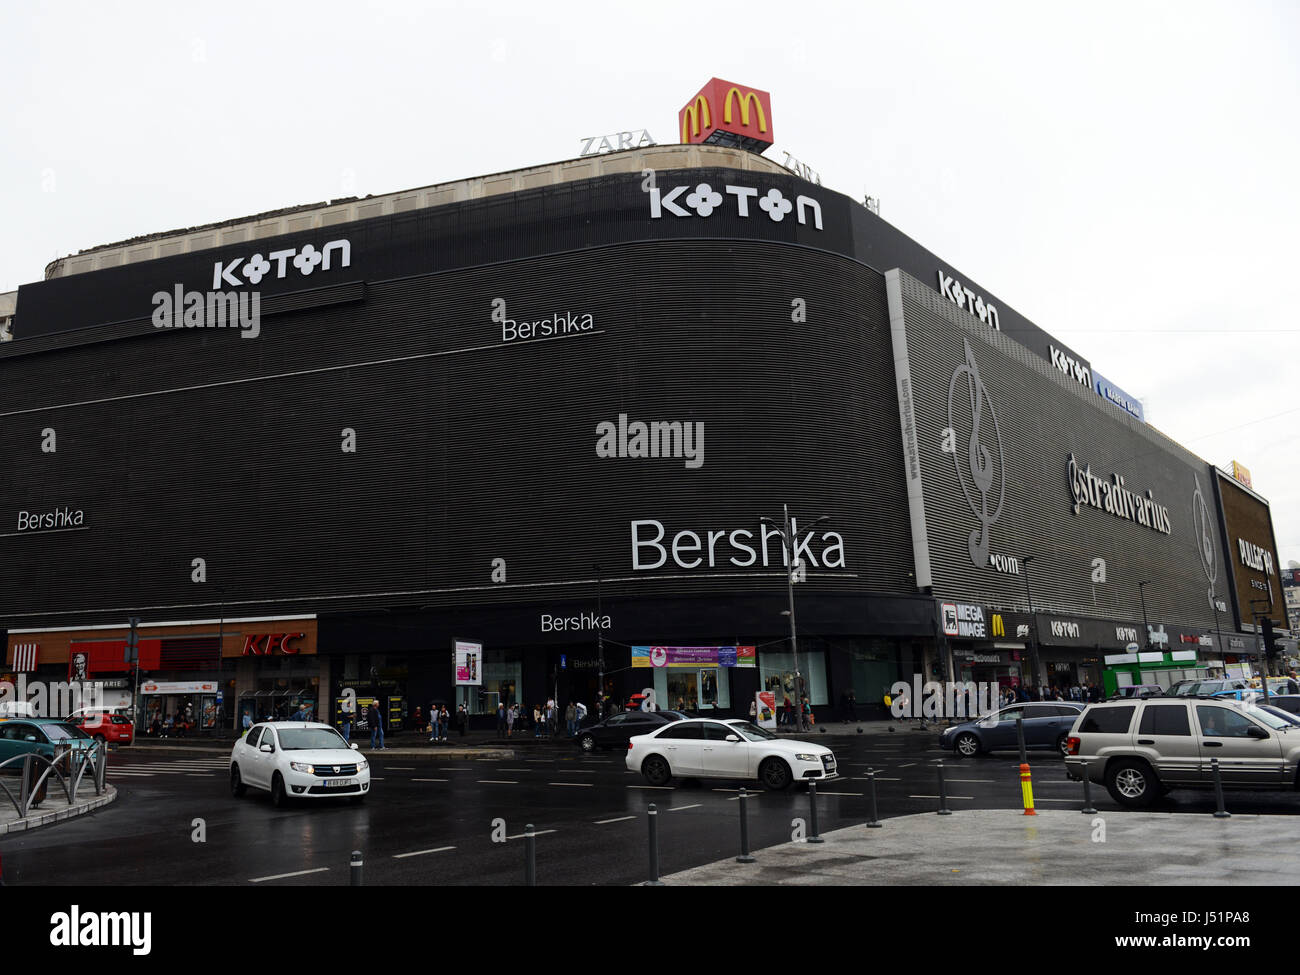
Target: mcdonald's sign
{"type": "Point", "coordinates": [727, 114]}
{"type": "Point", "coordinates": [999, 628]}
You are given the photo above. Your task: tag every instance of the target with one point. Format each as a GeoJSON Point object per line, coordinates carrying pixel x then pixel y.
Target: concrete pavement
{"type": "Point", "coordinates": [1003, 847]}
{"type": "Point", "coordinates": [55, 808]}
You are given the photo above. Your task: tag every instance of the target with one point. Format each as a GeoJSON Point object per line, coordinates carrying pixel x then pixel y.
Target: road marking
{"type": "Point", "coordinates": [879, 778]}
{"type": "Point", "coordinates": [548, 761]}
{"type": "Point", "coordinates": [936, 797]}
{"type": "Point", "coordinates": [536, 832]}
{"type": "Point", "coordinates": [668, 787]}
{"type": "Point", "coordinates": [497, 782]}
{"type": "Point", "coordinates": [579, 785]}
{"type": "Point", "coordinates": [376, 778]}
{"type": "Point", "coordinates": [579, 771]}
{"type": "Point", "coordinates": [516, 770]}
{"type": "Point", "coordinates": [420, 853]}
{"type": "Point", "coordinates": [407, 768]}
{"type": "Point", "coordinates": [619, 819]}
{"type": "Point", "coordinates": [971, 780]}
{"type": "Point", "coordinates": [450, 768]}
{"type": "Point", "coordinates": [284, 876]}
{"type": "Point", "coordinates": [907, 764]}
{"type": "Point", "coordinates": [680, 808]}
{"type": "Point", "coordinates": [426, 780]}
{"type": "Point", "coordinates": [839, 793]}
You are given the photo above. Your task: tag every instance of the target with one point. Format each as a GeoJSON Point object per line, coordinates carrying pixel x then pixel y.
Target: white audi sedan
{"type": "Point", "coordinates": [298, 760]}
{"type": "Point", "coordinates": [702, 748]}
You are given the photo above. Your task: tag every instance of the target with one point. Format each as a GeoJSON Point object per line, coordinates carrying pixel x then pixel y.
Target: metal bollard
{"type": "Point", "coordinates": [1087, 809]}
{"type": "Point", "coordinates": [1220, 812]}
{"type": "Point", "coordinates": [745, 856]}
{"type": "Point", "coordinates": [812, 814]}
{"type": "Point", "coordinates": [355, 869]}
{"type": "Point", "coordinates": [530, 856]}
{"type": "Point", "coordinates": [654, 847]}
{"type": "Point", "coordinates": [874, 821]}
{"type": "Point", "coordinates": [943, 794]}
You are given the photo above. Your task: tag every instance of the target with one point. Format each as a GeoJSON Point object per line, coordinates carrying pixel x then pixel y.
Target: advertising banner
{"type": "Point", "coordinates": [693, 657]}
{"type": "Point", "coordinates": [178, 687]}
{"type": "Point", "coordinates": [766, 704]}
{"type": "Point", "coordinates": [469, 663]}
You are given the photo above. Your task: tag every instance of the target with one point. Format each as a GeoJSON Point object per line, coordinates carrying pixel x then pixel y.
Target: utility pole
{"type": "Point", "coordinates": [788, 547]}
{"type": "Point", "coordinates": [1033, 625]}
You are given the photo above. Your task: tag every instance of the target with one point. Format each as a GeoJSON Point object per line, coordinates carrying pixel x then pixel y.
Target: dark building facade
{"type": "Point", "coordinates": [550, 422]}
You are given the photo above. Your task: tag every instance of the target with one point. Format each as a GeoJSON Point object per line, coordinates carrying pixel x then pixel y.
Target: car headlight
{"type": "Point", "coordinates": [302, 767]}
{"type": "Point", "coordinates": [806, 757]}
{"type": "Point", "coordinates": [362, 765]}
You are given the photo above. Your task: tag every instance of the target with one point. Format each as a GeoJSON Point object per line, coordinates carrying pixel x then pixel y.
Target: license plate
{"type": "Point", "coordinates": [338, 783]}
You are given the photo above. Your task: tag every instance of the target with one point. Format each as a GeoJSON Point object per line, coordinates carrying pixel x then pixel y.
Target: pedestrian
{"type": "Point", "coordinates": [345, 718]}
{"type": "Point", "coordinates": [538, 717]}
{"type": "Point", "coordinates": [501, 719]}
{"type": "Point", "coordinates": [571, 720]}
{"type": "Point", "coordinates": [419, 719]}
{"type": "Point", "coordinates": [462, 720]}
{"type": "Point", "coordinates": [753, 713]}
{"type": "Point", "coordinates": [444, 721]}
{"type": "Point", "coordinates": [302, 714]}
{"type": "Point", "coordinates": [902, 706]}
{"type": "Point", "coordinates": [807, 715]}
{"type": "Point", "coordinates": [434, 734]}
{"type": "Point", "coordinates": [582, 714]}
{"type": "Point", "coordinates": [853, 705]}
{"type": "Point", "coordinates": [247, 723]}
{"type": "Point", "coordinates": [376, 722]}
{"type": "Point", "coordinates": [787, 709]}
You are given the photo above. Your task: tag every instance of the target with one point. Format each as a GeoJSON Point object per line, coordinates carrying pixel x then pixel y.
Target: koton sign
{"type": "Point", "coordinates": [965, 621]}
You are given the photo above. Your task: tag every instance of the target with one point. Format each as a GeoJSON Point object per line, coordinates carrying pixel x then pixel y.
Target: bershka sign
{"type": "Point", "coordinates": [307, 259]}
{"type": "Point", "coordinates": [60, 519]}
{"type": "Point", "coordinates": [965, 621]}
{"type": "Point", "coordinates": [703, 199]}
{"type": "Point", "coordinates": [1069, 366]}
{"type": "Point", "coordinates": [963, 297]}
{"type": "Point", "coordinates": [1089, 490]}
{"type": "Point", "coordinates": [574, 624]}
{"type": "Point", "coordinates": [266, 644]}
{"type": "Point", "coordinates": [711, 548]}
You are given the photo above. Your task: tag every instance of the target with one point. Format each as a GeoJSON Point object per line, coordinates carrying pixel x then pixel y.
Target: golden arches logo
{"type": "Point", "coordinates": [744, 102]}
{"type": "Point", "coordinates": [999, 629]}
{"type": "Point", "coordinates": [694, 112]}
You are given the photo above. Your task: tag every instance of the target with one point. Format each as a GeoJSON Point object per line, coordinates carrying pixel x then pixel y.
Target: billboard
{"type": "Point", "coordinates": [468, 663]}
{"type": "Point", "coordinates": [1254, 574]}
{"type": "Point", "coordinates": [727, 114]}
{"type": "Point", "coordinates": [1241, 473]}
{"type": "Point", "coordinates": [1107, 390]}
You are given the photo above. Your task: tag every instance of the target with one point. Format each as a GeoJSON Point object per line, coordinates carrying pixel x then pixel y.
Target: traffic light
{"type": "Point", "coordinates": [1270, 642]}
{"type": "Point", "coordinates": [132, 651]}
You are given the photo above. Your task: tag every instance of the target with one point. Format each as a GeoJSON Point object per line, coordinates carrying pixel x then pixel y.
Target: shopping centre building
{"type": "Point", "coordinates": [544, 414]}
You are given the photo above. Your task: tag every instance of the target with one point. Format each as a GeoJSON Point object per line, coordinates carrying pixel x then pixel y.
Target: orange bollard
{"type": "Point", "coordinates": [1027, 790]}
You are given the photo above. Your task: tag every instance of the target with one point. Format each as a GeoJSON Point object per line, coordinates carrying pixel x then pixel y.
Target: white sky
{"type": "Point", "coordinates": [1124, 174]}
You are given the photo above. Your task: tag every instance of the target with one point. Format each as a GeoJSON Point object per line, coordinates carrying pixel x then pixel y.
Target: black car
{"type": "Point", "coordinates": [617, 729]}
{"type": "Point", "coordinates": [1046, 725]}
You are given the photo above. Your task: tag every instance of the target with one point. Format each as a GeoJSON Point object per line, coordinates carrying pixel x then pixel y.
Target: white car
{"type": "Point", "coordinates": [298, 760]}
{"type": "Point", "coordinates": [732, 749]}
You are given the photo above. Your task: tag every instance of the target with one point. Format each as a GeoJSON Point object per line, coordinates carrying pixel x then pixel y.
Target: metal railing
{"type": "Point", "coordinates": [69, 768]}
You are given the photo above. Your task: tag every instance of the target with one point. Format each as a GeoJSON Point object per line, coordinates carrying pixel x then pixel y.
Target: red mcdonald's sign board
{"type": "Point", "coordinates": [727, 114]}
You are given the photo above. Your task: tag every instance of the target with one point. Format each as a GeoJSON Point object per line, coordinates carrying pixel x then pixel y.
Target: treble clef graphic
{"type": "Point", "coordinates": [1205, 540]}
{"type": "Point", "coordinates": [981, 467]}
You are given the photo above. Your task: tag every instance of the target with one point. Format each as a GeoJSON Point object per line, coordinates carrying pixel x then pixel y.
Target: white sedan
{"type": "Point", "coordinates": [735, 749]}
{"type": "Point", "coordinates": [298, 760]}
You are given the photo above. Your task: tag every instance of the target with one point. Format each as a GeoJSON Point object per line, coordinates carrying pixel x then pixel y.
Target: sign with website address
{"type": "Point", "coordinates": [693, 657]}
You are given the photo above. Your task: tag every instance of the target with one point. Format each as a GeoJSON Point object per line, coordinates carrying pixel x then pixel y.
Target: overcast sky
{"type": "Point", "coordinates": [1126, 175]}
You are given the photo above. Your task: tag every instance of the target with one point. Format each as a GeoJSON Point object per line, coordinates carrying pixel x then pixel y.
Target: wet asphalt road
{"type": "Point", "coordinates": [430, 820]}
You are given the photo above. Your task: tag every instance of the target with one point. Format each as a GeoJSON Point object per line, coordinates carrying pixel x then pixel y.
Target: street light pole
{"type": "Point", "coordinates": [1146, 626]}
{"type": "Point", "coordinates": [600, 652]}
{"type": "Point", "coordinates": [1033, 624]}
{"type": "Point", "coordinates": [788, 548]}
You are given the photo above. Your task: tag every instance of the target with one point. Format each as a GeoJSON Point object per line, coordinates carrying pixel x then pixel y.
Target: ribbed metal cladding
{"type": "Point", "coordinates": [1043, 418]}
{"type": "Point", "coordinates": [188, 444]}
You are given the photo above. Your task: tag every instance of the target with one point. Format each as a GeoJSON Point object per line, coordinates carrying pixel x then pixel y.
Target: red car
{"type": "Point", "coordinates": [110, 726]}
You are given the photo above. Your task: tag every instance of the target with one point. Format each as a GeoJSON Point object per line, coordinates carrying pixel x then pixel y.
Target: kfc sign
{"type": "Point", "coordinates": [266, 644]}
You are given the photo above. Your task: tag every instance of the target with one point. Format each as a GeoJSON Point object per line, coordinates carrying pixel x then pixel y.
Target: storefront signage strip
{"type": "Point", "coordinates": [693, 657]}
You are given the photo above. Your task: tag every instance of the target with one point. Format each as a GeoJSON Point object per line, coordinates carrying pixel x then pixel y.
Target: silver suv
{"type": "Point", "coordinates": [1142, 749]}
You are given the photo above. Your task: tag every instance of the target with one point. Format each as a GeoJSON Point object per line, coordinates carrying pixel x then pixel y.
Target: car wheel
{"type": "Point", "coordinates": [587, 744]}
{"type": "Point", "coordinates": [1132, 784]}
{"type": "Point", "coordinates": [279, 798]}
{"type": "Point", "coordinates": [1063, 744]}
{"type": "Point", "coordinates": [775, 775]}
{"type": "Point", "coordinates": [656, 770]}
{"type": "Point", "coordinates": [966, 745]}
{"type": "Point", "coordinates": [237, 787]}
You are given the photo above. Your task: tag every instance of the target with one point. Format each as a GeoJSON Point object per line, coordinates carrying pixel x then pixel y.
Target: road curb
{"type": "Point", "coordinates": [49, 817]}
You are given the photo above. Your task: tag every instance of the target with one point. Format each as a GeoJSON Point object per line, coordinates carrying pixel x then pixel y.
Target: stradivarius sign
{"type": "Point", "coordinates": [1089, 490]}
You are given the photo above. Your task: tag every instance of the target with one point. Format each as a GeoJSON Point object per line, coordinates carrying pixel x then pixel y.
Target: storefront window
{"type": "Point", "coordinates": [776, 671]}
{"type": "Point", "coordinates": [502, 679]}
{"type": "Point", "coordinates": [691, 689]}
{"type": "Point", "coordinates": [873, 670]}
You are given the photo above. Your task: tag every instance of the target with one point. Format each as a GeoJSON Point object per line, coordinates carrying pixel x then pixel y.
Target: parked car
{"type": "Point", "coordinates": [20, 736]}
{"type": "Point", "coordinates": [1207, 687]}
{"type": "Point", "coordinates": [1141, 749]}
{"type": "Point", "coordinates": [1137, 691]}
{"type": "Point", "coordinates": [703, 748]}
{"type": "Point", "coordinates": [1287, 702]}
{"type": "Point", "coordinates": [1047, 724]}
{"type": "Point", "coordinates": [615, 730]}
{"type": "Point", "coordinates": [104, 724]}
{"type": "Point", "coordinates": [298, 760]}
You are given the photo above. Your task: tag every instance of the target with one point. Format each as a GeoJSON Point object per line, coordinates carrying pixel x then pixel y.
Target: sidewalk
{"type": "Point", "coordinates": [1005, 847]}
{"type": "Point", "coordinates": [54, 809]}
